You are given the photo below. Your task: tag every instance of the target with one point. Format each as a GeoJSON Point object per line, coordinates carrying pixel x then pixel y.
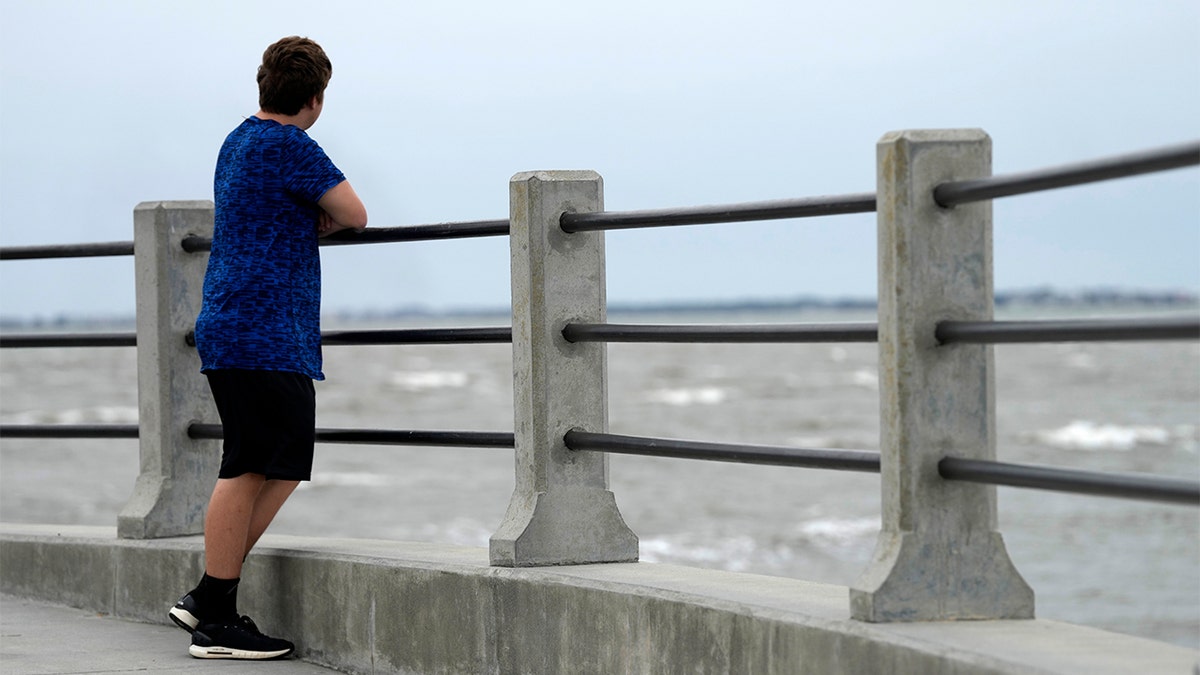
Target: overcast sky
{"type": "Point", "coordinates": [433, 106]}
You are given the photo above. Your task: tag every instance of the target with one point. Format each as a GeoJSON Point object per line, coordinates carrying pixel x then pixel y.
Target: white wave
{"type": "Point", "coordinates": [425, 380]}
{"type": "Point", "coordinates": [838, 354]}
{"type": "Point", "coordinates": [742, 553]}
{"type": "Point", "coordinates": [460, 531]}
{"type": "Point", "coordinates": [850, 441]}
{"type": "Point", "coordinates": [1081, 361]}
{"type": "Point", "coordinates": [347, 479]}
{"type": "Point", "coordinates": [813, 441]}
{"type": "Point", "coordinates": [688, 396]}
{"type": "Point", "coordinates": [867, 379]}
{"type": "Point", "coordinates": [96, 415]}
{"type": "Point", "coordinates": [839, 533]}
{"type": "Point", "coordinates": [1084, 435]}
{"type": "Point", "coordinates": [735, 554]}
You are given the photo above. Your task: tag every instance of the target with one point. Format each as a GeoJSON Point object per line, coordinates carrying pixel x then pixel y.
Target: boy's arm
{"type": "Point", "coordinates": [344, 209]}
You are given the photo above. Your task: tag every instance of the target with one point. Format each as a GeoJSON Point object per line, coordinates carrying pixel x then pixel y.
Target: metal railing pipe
{"type": "Point", "coordinates": [482, 439]}
{"type": "Point", "coordinates": [863, 202]}
{"type": "Point", "coordinates": [1078, 330]}
{"type": "Point", "coordinates": [418, 336]}
{"type": "Point", "coordinates": [1102, 484]}
{"type": "Point", "coordinates": [840, 460]}
{"type": "Point", "coordinates": [1122, 166]}
{"type": "Point", "coordinates": [407, 336]}
{"type": "Point", "coordinates": [97, 250]}
{"type": "Point", "coordinates": [947, 332]}
{"type": "Point", "coordinates": [26, 341]}
{"type": "Point", "coordinates": [68, 431]}
{"type": "Point", "coordinates": [745, 333]}
{"type": "Point", "coordinates": [381, 235]}
{"type": "Point", "coordinates": [458, 230]}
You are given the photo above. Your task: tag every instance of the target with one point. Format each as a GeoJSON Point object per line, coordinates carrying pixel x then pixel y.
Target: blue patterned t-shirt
{"type": "Point", "coordinates": [262, 288]}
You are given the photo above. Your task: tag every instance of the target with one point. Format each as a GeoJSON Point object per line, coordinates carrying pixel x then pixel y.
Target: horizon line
{"type": "Point", "coordinates": [1046, 296]}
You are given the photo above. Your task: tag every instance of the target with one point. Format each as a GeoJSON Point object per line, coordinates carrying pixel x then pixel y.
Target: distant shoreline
{"type": "Point", "coordinates": [1042, 298]}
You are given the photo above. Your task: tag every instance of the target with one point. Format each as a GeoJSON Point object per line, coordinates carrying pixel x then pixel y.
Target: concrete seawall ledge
{"type": "Point", "coordinates": [369, 606]}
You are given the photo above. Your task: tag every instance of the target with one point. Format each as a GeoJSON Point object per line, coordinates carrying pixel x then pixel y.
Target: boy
{"type": "Point", "coordinates": [258, 332]}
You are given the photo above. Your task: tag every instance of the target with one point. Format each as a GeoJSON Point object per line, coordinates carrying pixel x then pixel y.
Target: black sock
{"type": "Point", "coordinates": [217, 598]}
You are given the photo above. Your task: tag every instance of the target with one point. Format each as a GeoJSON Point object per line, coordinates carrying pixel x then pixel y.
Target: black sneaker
{"type": "Point", "coordinates": [237, 639]}
{"type": "Point", "coordinates": [185, 613]}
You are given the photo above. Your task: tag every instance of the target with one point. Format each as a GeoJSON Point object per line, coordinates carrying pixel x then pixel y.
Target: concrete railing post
{"type": "Point", "coordinates": [561, 510]}
{"type": "Point", "coordinates": [939, 556]}
{"type": "Point", "coordinates": [177, 473]}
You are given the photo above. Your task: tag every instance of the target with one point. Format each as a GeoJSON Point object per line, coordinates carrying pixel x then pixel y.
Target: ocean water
{"type": "Point", "coordinates": [1131, 567]}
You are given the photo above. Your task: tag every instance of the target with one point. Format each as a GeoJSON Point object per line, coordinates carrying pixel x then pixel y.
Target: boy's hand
{"type": "Point", "coordinates": [327, 225]}
{"type": "Point", "coordinates": [324, 224]}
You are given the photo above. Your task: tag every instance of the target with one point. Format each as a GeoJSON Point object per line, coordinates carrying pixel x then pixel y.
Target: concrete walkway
{"type": "Point", "coordinates": [40, 638]}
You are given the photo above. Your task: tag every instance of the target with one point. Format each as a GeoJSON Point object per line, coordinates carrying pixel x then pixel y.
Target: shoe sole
{"type": "Point", "coordinates": [184, 619]}
{"type": "Point", "coordinates": [215, 652]}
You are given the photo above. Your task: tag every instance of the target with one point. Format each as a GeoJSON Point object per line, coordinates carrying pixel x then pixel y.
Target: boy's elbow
{"type": "Point", "coordinates": [353, 218]}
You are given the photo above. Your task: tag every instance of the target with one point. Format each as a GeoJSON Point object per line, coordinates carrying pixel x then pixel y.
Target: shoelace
{"type": "Point", "coordinates": [248, 623]}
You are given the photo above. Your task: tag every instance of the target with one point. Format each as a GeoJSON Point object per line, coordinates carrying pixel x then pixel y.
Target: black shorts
{"type": "Point", "coordinates": [268, 418]}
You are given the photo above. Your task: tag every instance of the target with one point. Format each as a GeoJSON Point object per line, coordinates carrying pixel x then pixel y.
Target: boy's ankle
{"type": "Point", "coordinates": [216, 598]}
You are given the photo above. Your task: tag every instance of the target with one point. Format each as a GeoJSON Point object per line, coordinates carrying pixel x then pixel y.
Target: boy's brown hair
{"type": "Point", "coordinates": [293, 71]}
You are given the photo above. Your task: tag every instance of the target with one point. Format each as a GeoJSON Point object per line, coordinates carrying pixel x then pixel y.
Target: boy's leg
{"type": "Point", "coordinates": [261, 413]}
{"type": "Point", "coordinates": [270, 499]}
{"type": "Point", "coordinates": [227, 525]}
{"type": "Point", "coordinates": [239, 511]}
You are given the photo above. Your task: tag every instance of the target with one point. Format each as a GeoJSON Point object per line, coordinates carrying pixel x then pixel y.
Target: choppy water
{"type": "Point", "coordinates": [1132, 567]}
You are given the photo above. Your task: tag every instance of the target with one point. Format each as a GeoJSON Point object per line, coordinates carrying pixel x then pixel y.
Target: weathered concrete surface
{"type": "Point", "coordinates": [177, 473]}
{"type": "Point", "coordinates": [388, 607]}
{"type": "Point", "coordinates": [561, 511]}
{"type": "Point", "coordinates": [939, 555]}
